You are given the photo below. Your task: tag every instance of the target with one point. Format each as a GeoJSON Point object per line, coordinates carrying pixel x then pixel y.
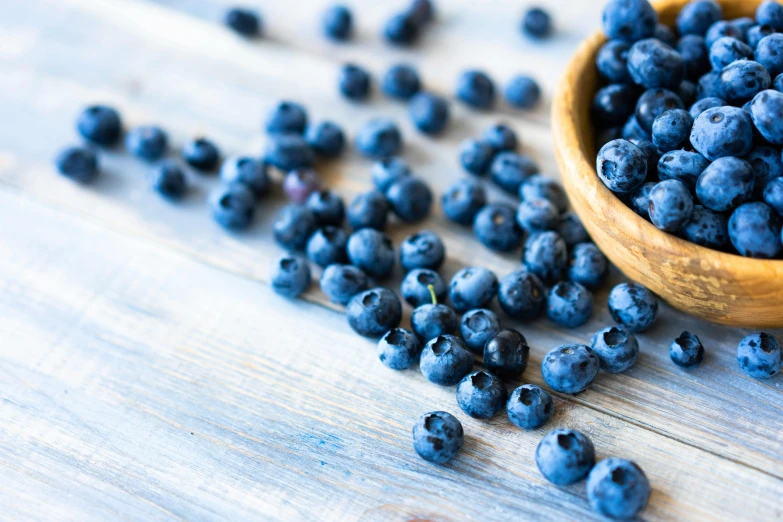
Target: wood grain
{"type": "Point", "coordinates": [719, 287]}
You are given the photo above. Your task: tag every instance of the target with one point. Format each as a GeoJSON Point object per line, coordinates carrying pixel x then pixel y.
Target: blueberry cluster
{"type": "Point", "coordinates": [690, 122]}
{"type": "Point", "coordinates": [476, 89]}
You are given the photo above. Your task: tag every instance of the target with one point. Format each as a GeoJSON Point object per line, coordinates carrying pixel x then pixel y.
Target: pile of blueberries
{"type": "Point", "coordinates": [690, 122]}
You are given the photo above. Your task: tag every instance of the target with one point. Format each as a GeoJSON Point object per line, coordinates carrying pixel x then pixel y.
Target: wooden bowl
{"type": "Point", "coordinates": [716, 286]}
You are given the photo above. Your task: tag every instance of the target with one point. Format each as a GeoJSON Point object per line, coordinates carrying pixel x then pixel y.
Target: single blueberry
{"type": "Point", "coordinates": [536, 23]}
{"type": "Point", "coordinates": [633, 306]}
{"type": "Point", "coordinates": [472, 287]}
{"type": "Point", "coordinates": [327, 246]}
{"type": "Point", "coordinates": [546, 255]}
{"type": "Point", "coordinates": [399, 349]}
{"type": "Point", "coordinates": [341, 282]}
{"type": "Point", "coordinates": [695, 55]}
{"type": "Point", "coordinates": [410, 199]}
{"type": "Point", "coordinates": [290, 275]}
{"type": "Point", "coordinates": [769, 53]}
{"type": "Point", "coordinates": [506, 354]}
{"type": "Point", "coordinates": [682, 165]}
{"type": "Point", "coordinates": [760, 355]}
{"type": "Point", "coordinates": [509, 170]}
{"type": "Point", "coordinates": [202, 154]}
{"type": "Point", "coordinates": [477, 327]}
{"type": "Point", "coordinates": [286, 117]}
{"type": "Point", "coordinates": [728, 50]}
{"type": "Point", "coordinates": [522, 92]}
{"type": "Point", "coordinates": [244, 22]}
{"type": "Point", "coordinates": [616, 347]}
{"type": "Point", "coordinates": [369, 209]}
{"type": "Point", "coordinates": [415, 287]}
{"type": "Point", "coordinates": [544, 187]}
{"type": "Point", "coordinates": [587, 265]}
{"type": "Point", "coordinates": [757, 33]}
{"type": "Point", "coordinates": [288, 151]}
{"type": "Point", "coordinates": [496, 227]}
{"type": "Point", "coordinates": [481, 395]}
{"type": "Point", "coordinates": [337, 23]}
{"type": "Point", "coordinates": [233, 206]}
{"type": "Point", "coordinates": [100, 124]}
{"type": "Point", "coordinates": [401, 29]}
{"type": "Point", "coordinates": [721, 29]}
{"type": "Point", "coordinates": [570, 368]}
{"type": "Point", "coordinates": [612, 61]}
{"type": "Point", "coordinates": [374, 312]}
{"type": "Point", "coordinates": [629, 20]}
{"type": "Point", "coordinates": [424, 249]}
{"type": "Point", "coordinates": [462, 200]}
{"type": "Point", "coordinates": [521, 295]}
{"type": "Point", "coordinates": [773, 194]}
{"type": "Point", "coordinates": [501, 138]}
{"type": "Point", "coordinates": [327, 207]}
{"type": "Point", "coordinates": [445, 360]}
{"type": "Point", "coordinates": [754, 230]}
{"type": "Point", "coordinates": [429, 112]}
{"type": "Point", "coordinates": [326, 139]}
{"type": "Point", "coordinates": [671, 130]}
{"type": "Point", "coordinates": [622, 166]}
{"type": "Point", "coordinates": [422, 12]}
{"type": "Point", "coordinates": [569, 304]}
{"type": "Point", "coordinates": [725, 184]}
{"type": "Point", "coordinates": [379, 138]}
{"type": "Point", "coordinates": [614, 104]}
{"type": "Point", "coordinates": [639, 200]}
{"type": "Point", "coordinates": [77, 163]}
{"type": "Point", "coordinates": [168, 179]}
{"type": "Point", "coordinates": [651, 154]}
{"type": "Point", "coordinates": [387, 171]}
{"type": "Point", "coordinates": [742, 80]}
{"type": "Point", "coordinates": [686, 350]}
{"type": "Point", "coordinates": [476, 156]}
{"type": "Point", "coordinates": [704, 104]}
{"type": "Point", "coordinates": [537, 215]}
{"type": "Point", "coordinates": [354, 82]}
{"type": "Point", "coordinates": [767, 165]}
{"type": "Point", "coordinates": [529, 407]}
{"type": "Point", "coordinates": [300, 183]}
{"type": "Point", "coordinates": [293, 226]}
{"type": "Point", "coordinates": [697, 16]}
{"type": "Point", "coordinates": [565, 456]}
{"type": "Point", "coordinates": [401, 81]}
{"type": "Point", "coordinates": [476, 89]}
{"type": "Point", "coordinates": [723, 131]}
{"type": "Point", "coordinates": [653, 64]}
{"type": "Point", "coordinates": [432, 320]}
{"type": "Point", "coordinates": [437, 436]}
{"type": "Point", "coordinates": [617, 488]}
{"type": "Point", "coordinates": [571, 229]}
{"type": "Point", "coordinates": [770, 13]}
{"type": "Point", "coordinates": [671, 205]}
{"type": "Point", "coordinates": [766, 110]}
{"type": "Point", "coordinates": [707, 228]}
{"type": "Point", "coordinates": [665, 34]}
{"type": "Point", "coordinates": [147, 142]}
{"type": "Point", "coordinates": [250, 172]}
{"type": "Point", "coordinates": [372, 251]}
{"type": "Point", "coordinates": [654, 102]}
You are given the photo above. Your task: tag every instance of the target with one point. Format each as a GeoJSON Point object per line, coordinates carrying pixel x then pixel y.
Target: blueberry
{"type": "Point", "coordinates": [612, 61]}
{"type": "Point", "coordinates": [522, 92]}
{"type": "Point", "coordinates": [399, 349]}
{"type": "Point", "coordinates": [201, 154]}
{"type": "Point", "coordinates": [509, 170]}
{"type": "Point", "coordinates": [571, 229]}
{"type": "Point", "coordinates": [387, 171]}
{"type": "Point", "coordinates": [401, 81]}
{"type": "Point", "coordinates": [326, 139]}
{"type": "Point", "coordinates": [671, 130]}
{"type": "Point", "coordinates": [569, 304]}
{"type": "Point", "coordinates": [770, 13]}
{"type": "Point", "coordinates": [424, 249]}
{"type": "Point", "coordinates": [379, 138]}
{"type": "Point", "coordinates": [728, 50]}
{"type": "Point", "coordinates": [725, 184]}
{"type": "Point", "coordinates": [723, 131]}
{"type": "Point", "coordinates": [630, 131]}
{"type": "Point", "coordinates": [565, 456]}
{"type": "Point", "coordinates": [617, 488]}
{"type": "Point", "coordinates": [767, 165]}
{"type": "Point", "coordinates": [401, 29]}
{"type": "Point", "coordinates": [521, 295]}
{"type": "Point", "coordinates": [570, 368]}
{"type": "Point", "coordinates": [539, 186]}
{"type": "Point", "coordinates": [286, 118]}
{"type": "Point", "coordinates": [537, 215]}
{"type": "Point", "coordinates": [633, 306]}
{"type": "Point", "coordinates": [769, 53]}
{"type": "Point", "coordinates": [369, 209]}
{"type": "Point", "coordinates": [721, 29]}
{"type": "Point", "coordinates": [100, 124]}
{"type": "Point", "coordinates": [476, 89]}
{"type": "Point", "coordinates": [354, 82]}
{"type": "Point", "coordinates": [622, 166]}
{"type": "Point", "coordinates": [288, 151]}
{"type": "Point", "coordinates": [168, 179]}
{"type": "Point", "coordinates": [651, 155]}
{"type": "Point", "coordinates": [372, 251]}
{"type": "Point", "coordinates": [415, 287]}
{"type": "Point", "coordinates": [704, 104]}
{"type": "Point", "coordinates": [629, 20]}
{"type": "Point", "coordinates": [429, 112]}
{"type": "Point", "coordinates": [147, 142]}
{"type": "Point", "coordinates": [742, 80]}
{"type": "Point", "coordinates": [665, 34]}
{"type": "Point", "coordinates": [506, 354]}
{"type": "Point", "coordinates": [422, 12]}
{"type": "Point", "coordinates": [687, 92]}
{"type": "Point", "coordinates": [682, 165]}
{"type": "Point", "coordinates": [437, 436]}
{"type": "Point", "coordinates": [299, 184]}
{"type": "Point", "coordinates": [233, 206]}
{"type": "Point", "coordinates": [760, 355]}
{"type": "Point", "coordinates": [773, 194]}
{"type": "Point", "coordinates": [529, 407]}
{"type": "Point", "coordinates": [481, 395]}
{"type": "Point", "coordinates": [327, 246]}
{"type": "Point", "coordinates": [374, 312]}
{"type": "Point", "coordinates": [250, 172]}
{"type": "Point", "coordinates": [472, 287]}
{"type": "Point", "coordinates": [616, 347]}
{"type": "Point", "coordinates": [754, 230]}
{"type": "Point", "coordinates": [536, 23]}
{"type": "Point", "coordinates": [341, 282]}
{"type": "Point", "coordinates": [766, 109]}
{"type": "Point", "coordinates": [671, 205]}
{"type": "Point", "coordinates": [546, 256]}
{"type": "Point", "coordinates": [757, 33]}
{"type": "Point", "coordinates": [327, 207]}
{"type": "Point", "coordinates": [695, 55]}
{"type": "Point", "coordinates": [410, 199]}
{"type": "Point", "coordinates": [290, 275]}
{"type": "Point", "coordinates": [743, 24]}
{"type": "Point", "coordinates": [654, 102]}
{"type": "Point", "coordinates": [445, 360]}
{"type": "Point", "coordinates": [686, 350]}
{"type": "Point", "coordinates": [77, 163]}
{"type": "Point", "coordinates": [707, 228]}
{"type": "Point", "coordinates": [653, 64]}
{"type": "Point", "coordinates": [293, 226]}
{"type": "Point", "coordinates": [244, 22]}
{"type": "Point", "coordinates": [476, 156]}
{"type": "Point", "coordinates": [501, 138]}
{"type": "Point", "coordinates": [495, 226]}
{"type": "Point", "coordinates": [614, 104]}
{"type": "Point", "coordinates": [697, 16]}
{"type": "Point", "coordinates": [587, 265]}
{"type": "Point", "coordinates": [337, 23]}
{"type": "Point", "coordinates": [432, 320]}
{"type": "Point", "coordinates": [477, 327]}
{"type": "Point", "coordinates": [462, 200]}
{"type": "Point", "coordinates": [639, 200]}
{"type": "Point", "coordinates": [709, 86]}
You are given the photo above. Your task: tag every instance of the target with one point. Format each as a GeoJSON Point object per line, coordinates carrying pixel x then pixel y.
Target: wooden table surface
{"type": "Point", "coordinates": [148, 372]}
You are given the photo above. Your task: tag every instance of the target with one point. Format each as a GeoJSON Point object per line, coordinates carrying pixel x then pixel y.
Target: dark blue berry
{"type": "Point", "coordinates": [617, 488]}
{"type": "Point", "coordinates": [481, 395]}
{"type": "Point", "coordinates": [429, 112]}
{"type": "Point", "coordinates": [614, 104]}
{"type": "Point", "coordinates": [529, 407]}
{"type": "Point", "coordinates": [630, 131]}
{"type": "Point", "coordinates": [709, 86]}
{"type": "Point", "coordinates": [565, 456]}
{"type": "Point", "coordinates": [233, 206]}
{"type": "Point", "coordinates": [415, 287]}
{"type": "Point", "coordinates": [437, 436]}
{"type": "Point", "coordinates": [769, 53]}
{"type": "Point", "coordinates": [286, 118]}
{"type": "Point", "coordinates": [707, 228]}
{"type": "Point", "coordinates": [767, 165]}
{"type": "Point", "coordinates": [773, 194]}
{"type": "Point", "coordinates": [569, 304]}
{"type": "Point", "coordinates": [388, 171]}
{"type": "Point", "coordinates": [410, 199]}
{"type": "Point", "coordinates": [501, 138]}
{"type": "Point", "coordinates": [728, 50]}
{"type": "Point", "coordinates": [495, 226]}
{"type": "Point", "coordinates": [372, 251]}
{"type": "Point", "coordinates": [654, 102]}
{"type": "Point", "coordinates": [327, 246]}
{"type": "Point", "coordinates": [147, 142]}
{"type": "Point", "coordinates": [290, 275]}
{"type": "Point", "coordinates": [288, 152]}
{"type": "Point", "coordinates": [742, 80]}
{"type": "Point", "coordinates": [665, 34]}
{"type": "Point", "coordinates": [639, 200]}
{"type": "Point", "coordinates": [399, 349]}
{"type": "Point", "coordinates": [445, 360]}
{"type": "Point", "coordinates": [671, 130]}
{"type": "Point", "coordinates": [77, 163]}
{"type": "Point", "coordinates": [201, 154]}
{"type": "Point", "coordinates": [168, 179]}
{"type": "Point", "coordinates": [354, 82]}
{"type": "Point", "coordinates": [570, 368]}
{"type": "Point", "coordinates": [612, 61]}
{"type": "Point", "coordinates": [431, 320]}
{"type": "Point", "coordinates": [653, 64]}
{"type": "Point", "coordinates": [341, 282]}
{"type": "Point", "coordinates": [509, 170]}
{"type": "Point", "coordinates": [506, 354]}
{"type": "Point", "coordinates": [695, 55]}
{"type": "Point", "coordinates": [327, 207]}
{"type": "Point", "coordinates": [522, 92]}
{"type": "Point", "coordinates": [721, 29]}
{"type": "Point", "coordinates": [622, 166]}
{"type": "Point", "coordinates": [462, 200]}
{"type": "Point", "coordinates": [374, 312]}
{"type": "Point", "coordinates": [476, 156]}
{"type": "Point", "coordinates": [370, 209]}
{"type": "Point", "coordinates": [723, 131]}
{"type": "Point", "coordinates": [743, 24]}
{"type": "Point", "coordinates": [424, 249]}
{"type": "Point", "coordinates": [760, 355]}
{"type": "Point", "coordinates": [250, 172]}
{"type": "Point", "coordinates": [704, 104]}
{"type": "Point", "coordinates": [697, 16]}
{"type": "Point", "coordinates": [379, 138]}
{"type": "Point", "coordinates": [472, 287]}
{"type": "Point", "coordinates": [537, 215]}
{"type": "Point", "coordinates": [671, 205]}
{"type": "Point", "coordinates": [477, 327]}
{"type": "Point", "coordinates": [629, 20]}
{"type": "Point", "coordinates": [754, 230]}
{"type": "Point", "coordinates": [337, 23]}
{"type": "Point", "coordinates": [770, 13]}
{"type": "Point", "coordinates": [326, 139]}
{"type": "Point", "coordinates": [244, 22]}
{"type": "Point", "coordinates": [725, 184]}
{"type": "Point", "coordinates": [540, 186]}
{"type": "Point", "coordinates": [293, 226]}
{"type": "Point", "coordinates": [401, 81]}
{"type": "Point", "coordinates": [633, 306]}
{"type": "Point", "coordinates": [651, 154]}
{"type": "Point", "coordinates": [571, 229]}
{"type": "Point", "coordinates": [100, 124]}
{"type": "Point", "coordinates": [537, 23]}
{"type": "Point", "coordinates": [521, 295]}
{"type": "Point", "coordinates": [546, 255]}
{"type": "Point", "coordinates": [686, 350]}
{"type": "Point", "coordinates": [682, 165]}
{"type": "Point", "coordinates": [401, 29]}
{"type": "Point", "coordinates": [757, 33]}
{"type": "Point", "coordinates": [766, 109]}
{"type": "Point", "coordinates": [616, 347]}
{"type": "Point", "coordinates": [422, 12]}
{"type": "Point", "coordinates": [587, 265]}
{"type": "Point", "coordinates": [476, 89]}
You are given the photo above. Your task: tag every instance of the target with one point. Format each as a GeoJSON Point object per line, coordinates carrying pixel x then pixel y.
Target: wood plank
{"type": "Point", "coordinates": [131, 392]}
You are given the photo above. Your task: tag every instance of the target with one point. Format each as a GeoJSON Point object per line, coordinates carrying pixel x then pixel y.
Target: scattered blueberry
{"type": "Point", "coordinates": [509, 170]}
{"type": "Point", "coordinates": [374, 312]}
{"type": "Point", "coordinates": [77, 163]}
{"type": "Point", "coordinates": [379, 138]}
{"type": "Point", "coordinates": [372, 251]}
{"type": "Point", "coordinates": [481, 395]}
{"type": "Point", "coordinates": [617, 488]}
{"type": "Point", "coordinates": [521, 295]}
{"type": "Point", "coordinates": [326, 139]}
{"type": "Point", "coordinates": [501, 138]}
{"type": "Point", "coordinates": [401, 81]}
{"type": "Point", "coordinates": [399, 349]}
{"type": "Point", "coordinates": [633, 306]}
{"type": "Point", "coordinates": [286, 118]}
{"type": "Point", "coordinates": [462, 200]}
{"type": "Point", "coordinates": [437, 436]}
{"type": "Point", "coordinates": [327, 246]}
{"type": "Point", "coordinates": [565, 456]}
{"type": "Point", "coordinates": [707, 228]}
{"type": "Point", "coordinates": [244, 22]}
{"type": "Point", "coordinates": [168, 179]}
{"type": "Point", "coordinates": [429, 112]}
{"type": "Point", "coordinates": [250, 172]}
{"type": "Point", "coordinates": [445, 360]}
{"type": "Point", "coordinates": [368, 210]}
{"type": "Point", "coordinates": [432, 320]}
{"type": "Point", "coordinates": [300, 183]}
{"type": "Point", "coordinates": [587, 265]}
{"type": "Point", "coordinates": [476, 156]}
{"type": "Point", "coordinates": [671, 205]}
{"type": "Point", "coordinates": [100, 124]}
{"type": "Point", "coordinates": [544, 187]}
{"type": "Point", "coordinates": [387, 171]}
{"type": "Point", "coordinates": [147, 142]}
{"type": "Point", "coordinates": [686, 350]}
{"type": "Point", "coordinates": [201, 154]}
{"type": "Point", "coordinates": [570, 368]}
{"type": "Point", "coordinates": [629, 20]}
{"type": "Point", "coordinates": [327, 207]}
{"type": "Point", "coordinates": [760, 355]}
{"type": "Point", "coordinates": [337, 23]}
{"type": "Point", "coordinates": [401, 29]}
{"type": "Point", "coordinates": [496, 227]}
{"type": "Point", "coordinates": [522, 92]}
{"type": "Point", "coordinates": [616, 347]}
{"type": "Point", "coordinates": [476, 89]}
{"type": "Point", "coordinates": [290, 275]}
{"type": "Point", "coordinates": [569, 304]}
{"type": "Point", "coordinates": [410, 199]}
{"type": "Point", "coordinates": [537, 23]}
{"type": "Point", "coordinates": [415, 287]}
{"type": "Point", "coordinates": [754, 230]}
{"type": "Point", "coordinates": [233, 206]}
{"type": "Point", "coordinates": [472, 287]}
{"type": "Point", "coordinates": [288, 152]}
{"type": "Point", "coordinates": [529, 407]}
{"type": "Point", "coordinates": [293, 226]}
{"type": "Point", "coordinates": [546, 255]}
{"type": "Point", "coordinates": [341, 282]}
{"type": "Point", "coordinates": [354, 82]}
{"type": "Point", "coordinates": [725, 184]}
{"type": "Point", "coordinates": [622, 166]}
{"type": "Point", "coordinates": [506, 354]}
{"type": "Point", "coordinates": [477, 327]}
{"type": "Point", "coordinates": [424, 249]}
